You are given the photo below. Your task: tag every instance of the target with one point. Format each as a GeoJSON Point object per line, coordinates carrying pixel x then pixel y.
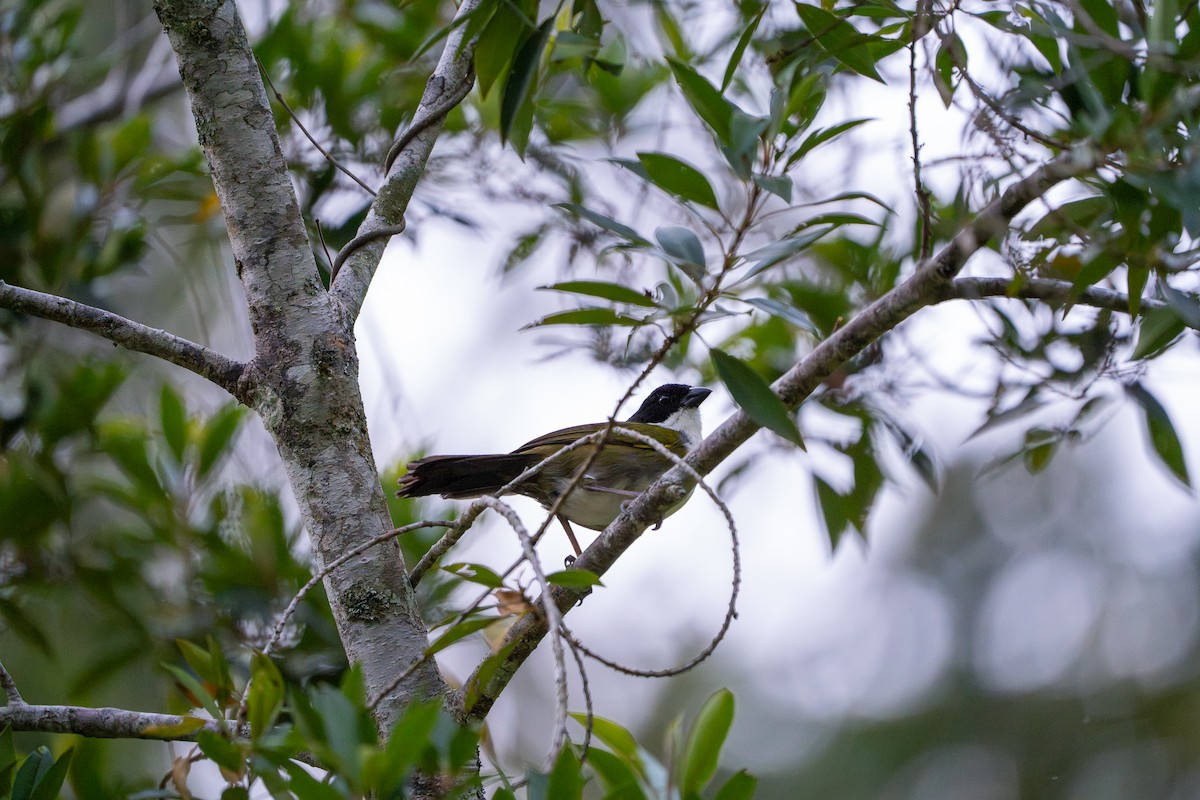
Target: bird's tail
{"type": "Point", "coordinates": [456, 477]}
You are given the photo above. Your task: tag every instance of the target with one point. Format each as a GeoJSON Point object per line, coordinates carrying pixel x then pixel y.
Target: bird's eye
{"type": "Point", "coordinates": [664, 400]}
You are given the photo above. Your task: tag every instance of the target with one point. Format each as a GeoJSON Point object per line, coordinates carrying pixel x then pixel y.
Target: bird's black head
{"type": "Point", "coordinates": [667, 399]}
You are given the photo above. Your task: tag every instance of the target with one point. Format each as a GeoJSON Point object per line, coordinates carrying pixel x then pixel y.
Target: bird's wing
{"type": "Point", "coordinates": [670, 437]}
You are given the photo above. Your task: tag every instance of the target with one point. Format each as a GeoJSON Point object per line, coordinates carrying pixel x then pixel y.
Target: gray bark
{"type": "Point", "coordinates": [303, 380]}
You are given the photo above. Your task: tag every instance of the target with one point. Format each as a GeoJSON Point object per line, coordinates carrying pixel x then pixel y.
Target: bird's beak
{"type": "Point", "coordinates": [695, 396]}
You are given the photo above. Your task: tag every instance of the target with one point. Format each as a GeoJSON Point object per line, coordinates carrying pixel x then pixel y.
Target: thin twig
{"type": "Point", "coordinates": [922, 194]}
{"type": "Point", "coordinates": [324, 246]}
{"type": "Point", "coordinates": [553, 620]}
{"type": "Point", "coordinates": [296, 119]}
{"type": "Point", "coordinates": [10, 688]}
{"type": "Point", "coordinates": [589, 713]}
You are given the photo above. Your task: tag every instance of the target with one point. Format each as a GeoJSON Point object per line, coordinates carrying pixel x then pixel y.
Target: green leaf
{"type": "Point", "coordinates": [200, 660]}
{"type": "Point", "coordinates": [224, 753]}
{"type": "Point", "coordinates": [457, 632]}
{"type": "Point", "coordinates": [704, 743]}
{"type": "Point", "coordinates": [521, 78]}
{"type": "Point", "coordinates": [607, 223]}
{"type": "Point", "coordinates": [585, 316]}
{"type": "Point", "coordinates": [1157, 329]}
{"type": "Point", "coordinates": [174, 421]}
{"type": "Point", "coordinates": [574, 578]}
{"type": "Point", "coordinates": [926, 466]}
{"type": "Point", "coordinates": [1137, 276]}
{"type": "Point", "coordinates": [740, 786]}
{"type": "Point", "coordinates": [755, 397]}
{"type": "Point", "coordinates": [822, 135]}
{"type": "Point", "coordinates": [840, 39]}
{"type": "Point", "coordinates": [735, 58]}
{"type": "Point", "coordinates": [618, 739]}
{"type": "Point", "coordinates": [197, 691]}
{"type": "Point", "coordinates": [683, 249]}
{"type": "Point", "coordinates": [769, 255]}
{"type": "Point", "coordinates": [406, 743]}
{"type": "Point", "coordinates": [778, 185]}
{"type": "Point", "coordinates": [51, 780]}
{"type": "Point", "coordinates": [569, 45]}
{"type": "Point", "coordinates": [265, 698]}
{"type": "Point", "coordinates": [834, 510]}
{"type": "Point", "coordinates": [1039, 448]}
{"type": "Point", "coordinates": [476, 573]}
{"type": "Point", "coordinates": [617, 774]}
{"type": "Point", "coordinates": [678, 178]}
{"type": "Point", "coordinates": [606, 291]}
{"type": "Point", "coordinates": [30, 773]}
{"type": "Point", "coordinates": [705, 100]}
{"type": "Point", "coordinates": [216, 437]}
{"type": "Point", "coordinates": [1163, 437]}
{"type": "Point", "coordinates": [1070, 218]}
{"type": "Point", "coordinates": [8, 760]}
{"type": "Point", "coordinates": [785, 312]}
{"type": "Point", "coordinates": [496, 45]}
{"type": "Point", "coordinates": [306, 787]}
{"type": "Point", "coordinates": [566, 777]}
{"type": "Point", "coordinates": [1185, 305]}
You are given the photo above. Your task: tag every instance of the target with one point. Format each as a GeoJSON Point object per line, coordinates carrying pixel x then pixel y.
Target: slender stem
{"type": "Point", "coordinates": [10, 688]}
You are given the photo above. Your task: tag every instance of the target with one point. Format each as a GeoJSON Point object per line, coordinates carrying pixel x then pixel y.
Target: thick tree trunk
{"type": "Point", "coordinates": [303, 380]}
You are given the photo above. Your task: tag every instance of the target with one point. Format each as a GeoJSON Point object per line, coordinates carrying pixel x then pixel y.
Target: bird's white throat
{"type": "Point", "coordinates": [687, 422]}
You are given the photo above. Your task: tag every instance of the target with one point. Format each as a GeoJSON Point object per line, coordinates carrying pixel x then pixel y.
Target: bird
{"type": "Point", "coordinates": [624, 468]}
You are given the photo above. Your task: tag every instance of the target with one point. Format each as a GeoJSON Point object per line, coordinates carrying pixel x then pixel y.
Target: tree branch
{"type": "Point", "coordinates": [220, 369]}
{"type": "Point", "coordinates": [103, 723]}
{"type": "Point", "coordinates": [922, 288]}
{"type": "Point", "coordinates": [11, 693]}
{"type": "Point", "coordinates": [447, 86]}
{"type": "Point", "coordinates": [1051, 291]}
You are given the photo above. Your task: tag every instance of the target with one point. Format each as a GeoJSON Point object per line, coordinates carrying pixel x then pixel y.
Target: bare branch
{"type": "Point", "coordinates": [10, 688]}
{"type": "Point", "coordinates": [104, 723]}
{"type": "Point", "coordinates": [922, 288]}
{"type": "Point", "coordinates": [220, 369]}
{"type": "Point", "coordinates": [553, 620]}
{"type": "Point", "coordinates": [1051, 291]}
{"type": "Point", "coordinates": [307, 135]}
{"type": "Point", "coordinates": [447, 86]}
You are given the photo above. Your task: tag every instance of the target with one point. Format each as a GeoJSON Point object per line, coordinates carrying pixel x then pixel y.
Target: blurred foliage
{"type": "Point", "coordinates": [125, 544]}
